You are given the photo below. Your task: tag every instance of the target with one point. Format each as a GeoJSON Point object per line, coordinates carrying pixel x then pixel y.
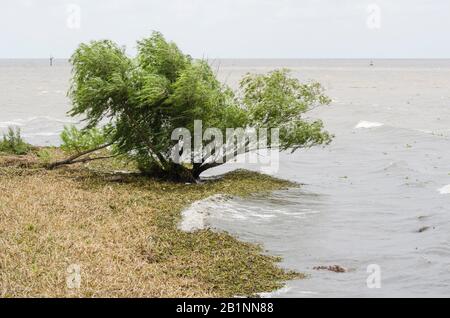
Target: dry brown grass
{"type": "Point", "coordinates": [124, 236]}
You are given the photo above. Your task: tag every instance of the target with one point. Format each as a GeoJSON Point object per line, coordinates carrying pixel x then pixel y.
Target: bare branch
{"type": "Point", "coordinates": [73, 158]}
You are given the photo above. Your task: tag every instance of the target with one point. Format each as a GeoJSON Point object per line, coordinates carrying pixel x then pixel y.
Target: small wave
{"type": "Point", "coordinates": [396, 165]}
{"type": "Point", "coordinates": [286, 290]}
{"type": "Point", "coordinates": [368, 124]}
{"type": "Point", "coordinates": [300, 215]}
{"type": "Point", "coordinates": [49, 118]}
{"type": "Point", "coordinates": [277, 293]}
{"type": "Point", "coordinates": [26, 121]}
{"type": "Point", "coordinates": [435, 133]}
{"type": "Point", "coordinates": [6, 124]}
{"type": "Point", "coordinates": [445, 190]}
{"type": "Point", "coordinates": [243, 212]}
{"type": "Point", "coordinates": [425, 131]}
{"type": "Point", "coordinates": [42, 134]}
{"type": "Point", "coordinates": [194, 217]}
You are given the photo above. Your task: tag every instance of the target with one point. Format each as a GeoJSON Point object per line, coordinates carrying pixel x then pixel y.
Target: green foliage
{"type": "Point", "coordinates": [13, 143]}
{"type": "Point", "coordinates": [157, 56]}
{"type": "Point", "coordinates": [145, 98]}
{"type": "Point", "coordinates": [75, 140]}
{"type": "Point", "coordinates": [45, 157]}
{"type": "Point", "coordinates": [276, 100]}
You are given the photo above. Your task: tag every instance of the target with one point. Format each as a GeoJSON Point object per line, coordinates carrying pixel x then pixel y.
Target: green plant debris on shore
{"type": "Point", "coordinates": [121, 229]}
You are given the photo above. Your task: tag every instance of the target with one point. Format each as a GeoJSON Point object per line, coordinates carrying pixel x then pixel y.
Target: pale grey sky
{"type": "Point", "coordinates": [233, 28]}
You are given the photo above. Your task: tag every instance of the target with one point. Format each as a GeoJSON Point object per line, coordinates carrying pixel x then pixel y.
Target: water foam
{"type": "Point", "coordinates": [445, 190]}
{"type": "Point", "coordinates": [42, 134]}
{"type": "Point", "coordinates": [368, 124]}
{"type": "Point", "coordinates": [194, 217]}
{"type": "Point", "coordinates": [278, 293]}
{"type": "Point", "coordinates": [6, 124]}
{"type": "Point", "coordinates": [25, 121]}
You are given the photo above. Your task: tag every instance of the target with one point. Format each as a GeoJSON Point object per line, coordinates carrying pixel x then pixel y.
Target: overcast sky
{"type": "Point", "coordinates": [233, 28]}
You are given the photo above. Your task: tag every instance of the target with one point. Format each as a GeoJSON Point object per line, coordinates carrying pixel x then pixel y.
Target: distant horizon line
{"type": "Point", "coordinates": [262, 58]}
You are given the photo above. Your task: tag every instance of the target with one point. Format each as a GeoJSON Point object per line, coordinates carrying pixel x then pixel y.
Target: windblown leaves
{"type": "Point", "coordinates": [145, 98]}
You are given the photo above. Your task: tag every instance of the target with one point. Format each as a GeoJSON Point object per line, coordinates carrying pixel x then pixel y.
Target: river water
{"type": "Point", "coordinates": [375, 198]}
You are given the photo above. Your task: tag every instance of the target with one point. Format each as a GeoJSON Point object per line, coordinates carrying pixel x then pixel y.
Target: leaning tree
{"type": "Point", "coordinates": [142, 100]}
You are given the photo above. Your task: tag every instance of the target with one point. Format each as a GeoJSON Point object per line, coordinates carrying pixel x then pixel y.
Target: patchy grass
{"type": "Point", "coordinates": [122, 231]}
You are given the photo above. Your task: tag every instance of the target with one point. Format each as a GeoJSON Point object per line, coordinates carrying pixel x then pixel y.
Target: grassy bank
{"type": "Point", "coordinates": [122, 231]}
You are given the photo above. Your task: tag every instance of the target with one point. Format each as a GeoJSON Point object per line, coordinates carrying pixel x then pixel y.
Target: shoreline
{"type": "Point", "coordinates": [124, 234]}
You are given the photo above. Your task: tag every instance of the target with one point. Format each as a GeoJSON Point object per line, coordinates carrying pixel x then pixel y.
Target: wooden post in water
{"type": "Point", "coordinates": [51, 60]}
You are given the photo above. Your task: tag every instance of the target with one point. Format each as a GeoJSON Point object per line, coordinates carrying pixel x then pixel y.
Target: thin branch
{"type": "Point", "coordinates": [73, 158]}
{"type": "Point", "coordinates": [92, 159]}
{"type": "Point", "coordinates": [224, 160]}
